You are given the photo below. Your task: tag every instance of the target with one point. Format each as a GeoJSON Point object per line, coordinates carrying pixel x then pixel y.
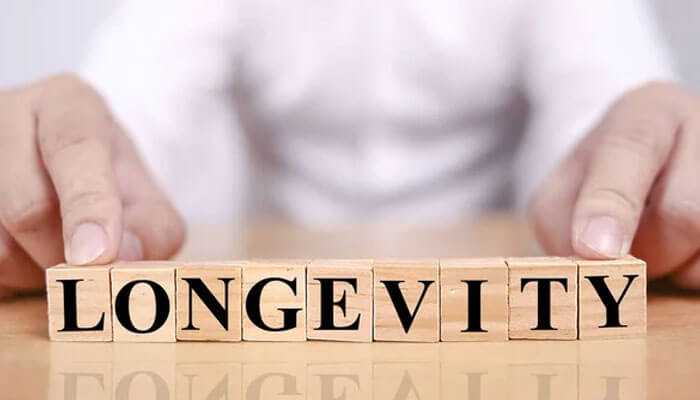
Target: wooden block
{"type": "Point", "coordinates": [612, 298]}
{"type": "Point", "coordinates": [274, 296]}
{"type": "Point", "coordinates": [79, 303]}
{"type": "Point", "coordinates": [143, 301]}
{"type": "Point", "coordinates": [209, 301]}
{"type": "Point", "coordinates": [341, 291]}
{"type": "Point", "coordinates": [543, 294]}
{"type": "Point", "coordinates": [406, 301]}
{"type": "Point", "coordinates": [474, 300]}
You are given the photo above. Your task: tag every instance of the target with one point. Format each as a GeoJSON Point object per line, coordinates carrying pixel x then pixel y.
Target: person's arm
{"type": "Point", "coordinates": [166, 70]}
{"type": "Point", "coordinates": [629, 182]}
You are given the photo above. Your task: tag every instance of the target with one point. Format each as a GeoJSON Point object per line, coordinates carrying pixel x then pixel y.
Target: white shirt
{"type": "Point", "coordinates": [336, 110]}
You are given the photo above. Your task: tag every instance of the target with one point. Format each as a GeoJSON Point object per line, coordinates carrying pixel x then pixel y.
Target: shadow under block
{"type": "Point", "coordinates": [339, 300]}
{"type": "Point", "coordinates": [612, 298]}
{"type": "Point", "coordinates": [543, 297]}
{"type": "Point", "coordinates": [274, 301]}
{"type": "Point", "coordinates": [79, 304]}
{"type": "Point", "coordinates": [143, 301]}
{"type": "Point", "coordinates": [209, 301]}
{"type": "Point", "coordinates": [473, 300]}
{"type": "Point", "coordinates": [407, 301]}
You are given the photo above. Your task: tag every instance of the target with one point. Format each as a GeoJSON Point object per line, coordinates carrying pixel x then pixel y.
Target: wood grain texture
{"type": "Point", "coordinates": [276, 296]}
{"type": "Point", "coordinates": [142, 303]}
{"type": "Point", "coordinates": [523, 301]}
{"type": "Point", "coordinates": [223, 279]}
{"type": "Point", "coordinates": [426, 323]}
{"type": "Point", "coordinates": [93, 302]}
{"type": "Point", "coordinates": [616, 275]}
{"type": "Point", "coordinates": [358, 301]}
{"type": "Point", "coordinates": [454, 299]}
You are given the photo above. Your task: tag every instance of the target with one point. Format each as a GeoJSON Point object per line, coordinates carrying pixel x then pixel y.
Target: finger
{"type": "Point", "coordinates": [153, 229]}
{"type": "Point", "coordinates": [633, 143]}
{"type": "Point", "coordinates": [29, 210]}
{"type": "Point", "coordinates": [75, 143]}
{"type": "Point", "coordinates": [18, 273]}
{"type": "Point", "coordinates": [552, 207]}
{"type": "Point", "coordinates": [669, 233]}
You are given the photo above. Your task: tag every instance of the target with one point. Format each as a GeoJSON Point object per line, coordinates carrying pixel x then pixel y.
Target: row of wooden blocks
{"type": "Point", "coordinates": [349, 300]}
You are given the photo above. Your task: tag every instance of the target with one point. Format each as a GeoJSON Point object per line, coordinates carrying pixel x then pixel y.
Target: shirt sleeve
{"type": "Point", "coordinates": [579, 56]}
{"type": "Point", "coordinates": [165, 67]}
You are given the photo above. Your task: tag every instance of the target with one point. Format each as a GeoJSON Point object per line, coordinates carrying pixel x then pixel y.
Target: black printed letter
{"type": "Point", "coordinates": [253, 304]}
{"type": "Point", "coordinates": [70, 308]}
{"type": "Point", "coordinates": [474, 306]}
{"type": "Point", "coordinates": [405, 315]}
{"type": "Point", "coordinates": [544, 300]}
{"type": "Point", "coordinates": [122, 312]}
{"type": "Point", "coordinates": [612, 306]}
{"type": "Point", "coordinates": [327, 304]}
{"type": "Point", "coordinates": [218, 310]}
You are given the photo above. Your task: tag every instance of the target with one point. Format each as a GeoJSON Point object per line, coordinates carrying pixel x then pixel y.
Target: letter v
{"type": "Point", "coordinates": [405, 315]}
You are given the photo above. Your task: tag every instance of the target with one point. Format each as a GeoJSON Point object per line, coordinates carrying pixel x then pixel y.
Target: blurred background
{"type": "Point", "coordinates": [43, 37]}
{"type": "Point", "coordinates": [38, 37]}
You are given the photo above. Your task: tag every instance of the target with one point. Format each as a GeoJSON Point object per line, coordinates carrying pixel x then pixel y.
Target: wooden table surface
{"type": "Point", "coordinates": [666, 364]}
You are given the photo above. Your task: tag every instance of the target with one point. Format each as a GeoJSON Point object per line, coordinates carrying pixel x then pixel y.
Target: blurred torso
{"type": "Point", "coordinates": [389, 108]}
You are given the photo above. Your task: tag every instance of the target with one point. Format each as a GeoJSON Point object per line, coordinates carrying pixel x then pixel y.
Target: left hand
{"type": "Point", "coordinates": [633, 184]}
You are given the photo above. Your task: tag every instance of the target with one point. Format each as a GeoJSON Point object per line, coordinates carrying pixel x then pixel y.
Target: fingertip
{"type": "Point", "coordinates": [601, 237]}
{"type": "Point", "coordinates": [88, 244]}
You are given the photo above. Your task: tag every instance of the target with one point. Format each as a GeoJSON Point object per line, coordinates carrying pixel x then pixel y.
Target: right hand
{"type": "Point", "coordinates": [72, 187]}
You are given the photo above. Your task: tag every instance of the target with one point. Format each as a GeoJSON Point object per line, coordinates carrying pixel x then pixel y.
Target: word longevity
{"type": "Point", "coordinates": [422, 300]}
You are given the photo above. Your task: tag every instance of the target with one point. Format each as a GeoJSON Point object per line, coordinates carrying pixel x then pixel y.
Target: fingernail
{"type": "Point", "coordinates": [87, 244]}
{"type": "Point", "coordinates": [130, 248]}
{"type": "Point", "coordinates": [605, 236]}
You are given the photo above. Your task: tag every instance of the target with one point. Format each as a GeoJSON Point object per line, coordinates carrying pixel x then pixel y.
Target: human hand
{"type": "Point", "coordinates": [73, 187]}
{"type": "Point", "coordinates": [632, 183]}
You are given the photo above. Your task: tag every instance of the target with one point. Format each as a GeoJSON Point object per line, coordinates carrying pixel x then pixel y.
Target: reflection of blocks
{"type": "Point", "coordinates": [474, 300]}
{"type": "Point", "coordinates": [143, 371]}
{"type": "Point", "coordinates": [208, 381]}
{"type": "Point", "coordinates": [406, 301]}
{"type": "Point", "coordinates": [274, 380]}
{"type": "Point", "coordinates": [409, 380]}
{"type": "Point", "coordinates": [473, 378]}
{"type": "Point", "coordinates": [143, 300]}
{"type": "Point", "coordinates": [76, 371]}
{"type": "Point", "coordinates": [612, 298]}
{"type": "Point", "coordinates": [350, 381]}
{"type": "Point", "coordinates": [209, 301]}
{"type": "Point", "coordinates": [274, 294]}
{"type": "Point", "coordinates": [543, 298]}
{"type": "Point", "coordinates": [615, 369]}
{"type": "Point", "coordinates": [339, 300]}
{"type": "Point", "coordinates": [543, 381]}
{"type": "Point", "coordinates": [79, 303]}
